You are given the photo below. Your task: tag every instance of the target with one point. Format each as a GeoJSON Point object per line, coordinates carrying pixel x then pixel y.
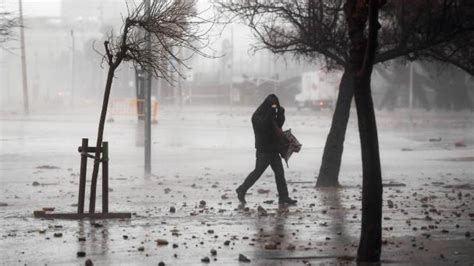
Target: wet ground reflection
{"type": "Point", "coordinates": [271, 234]}
{"type": "Point", "coordinates": [93, 237]}
{"type": "Point", "coordinates": [331, 197]}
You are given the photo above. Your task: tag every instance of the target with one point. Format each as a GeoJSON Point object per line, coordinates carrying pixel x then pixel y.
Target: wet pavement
{"type": "Point", "coordinates": [187, 213]}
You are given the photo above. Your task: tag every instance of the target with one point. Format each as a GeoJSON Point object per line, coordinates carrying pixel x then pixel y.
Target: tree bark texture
{"type": "Point", "coordinates": [371, 230]}
{"type": "Point", "coordinates": [331, 162]}
{"type": "Point", "coordinates": [100, 135]}
{"type": "Point", "coordinates": [362, 53]}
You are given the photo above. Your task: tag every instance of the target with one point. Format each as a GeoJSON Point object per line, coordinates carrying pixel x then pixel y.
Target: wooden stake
{"type": "Point", "coordinates": [105, 177]}
{"type": "Point", "coordinates": [82, 175]}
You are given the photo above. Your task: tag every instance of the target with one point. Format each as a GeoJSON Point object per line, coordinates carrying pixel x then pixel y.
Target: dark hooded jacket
{"type": "Point", "coordinates": [267, 123]}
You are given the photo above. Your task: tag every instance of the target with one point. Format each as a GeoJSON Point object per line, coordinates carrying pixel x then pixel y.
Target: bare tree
{"type": "Point", "coordinates": [312, 29]}
{"type": "Point", "coordinates": [150, 38]}
{"type": "Point", "coordinates": [440, 30]}
{"type": "Point", "coordinates": [7, 24]}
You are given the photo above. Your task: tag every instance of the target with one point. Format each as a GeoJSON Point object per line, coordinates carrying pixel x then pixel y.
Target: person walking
{"type": "Point", "coordinates": [267, 122]}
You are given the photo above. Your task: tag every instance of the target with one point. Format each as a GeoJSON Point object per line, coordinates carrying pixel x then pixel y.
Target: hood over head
{"type": "Point", "coordinates": [266, 105]}
{"type": "Point", "coordinates": [265, 109]}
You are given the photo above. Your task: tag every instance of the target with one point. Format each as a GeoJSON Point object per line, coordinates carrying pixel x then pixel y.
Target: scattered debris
{"type": "Point", "coordinates": [97, 225]}
{"type": "Point", "coordinates": [394, 184]}
{"type": "Point", "coordinates": [390, 204]}
{"type": "Point", "coordinates": [460, 144]}
{"type": "Point", "coordinates": [461, 186]}
{"type": "Point", "coordinates": [270, 246]}
{"type": "Point", "coordinates": [261, 211]}
{"type": "Point", "coordinates": [242, 258]}
{"type": "Point", "coordinates": [49, 167]}
{"type": "Point", "coordinates": [161, 242]}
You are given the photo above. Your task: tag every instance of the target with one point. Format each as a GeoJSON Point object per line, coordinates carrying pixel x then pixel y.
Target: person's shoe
{"type": "Point", "coordinates": [287, 200]}
{"type": "Point", "coordinates": [241, 196]}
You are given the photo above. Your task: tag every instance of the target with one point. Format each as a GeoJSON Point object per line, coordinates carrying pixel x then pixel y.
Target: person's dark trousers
{"type": "Point", "coordinates": [263, 160]}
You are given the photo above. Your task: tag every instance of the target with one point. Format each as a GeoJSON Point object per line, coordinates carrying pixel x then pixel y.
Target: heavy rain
{"type": "Point", "coordinates": [195, 132]}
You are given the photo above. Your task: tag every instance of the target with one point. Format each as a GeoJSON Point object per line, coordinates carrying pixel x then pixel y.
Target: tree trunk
{"type": "Point", "coordinates": [371, 229]}
{"type": "Point", "coordinates": [362, 53]}
{"type": "Point", "coordinates": [100, 135]}
{"type": "Point", "coordinates": [331, 162]}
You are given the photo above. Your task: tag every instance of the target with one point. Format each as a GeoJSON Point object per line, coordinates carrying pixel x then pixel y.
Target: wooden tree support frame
{"type": "Point", "coordinates": [79, 216]}
{"type": "Point", "coordinates": [84, 150]}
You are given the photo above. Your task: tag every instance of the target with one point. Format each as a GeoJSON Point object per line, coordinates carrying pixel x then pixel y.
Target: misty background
{"type": "Point", "coordinates": [63, 70]}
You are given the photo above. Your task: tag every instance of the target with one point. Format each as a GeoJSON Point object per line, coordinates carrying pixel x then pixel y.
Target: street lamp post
{"type": "Point", "coordinates": [147, 105]}
{"type": "Point", "coordinates": [23, 62]}
{"type": "Point", "coordinates": [231, 87]}
{"type": "Point", "coordinates": [73, 50]}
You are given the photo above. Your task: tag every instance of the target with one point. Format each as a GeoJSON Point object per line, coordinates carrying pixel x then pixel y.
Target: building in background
{"type": "Point", "coordinates": [62, 66]}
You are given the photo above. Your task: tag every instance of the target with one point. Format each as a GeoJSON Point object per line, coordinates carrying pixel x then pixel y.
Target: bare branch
{"type": "Point", "coordinates": [414, 29]}
{"type": "Point", "coordinates": [176, 32]}
{"type": "Point", "coordinates": [107, 53]}
{"type": "Point", "coordinates": [305, 28]}
{"type": "Point", "coordinates": [7, 24]}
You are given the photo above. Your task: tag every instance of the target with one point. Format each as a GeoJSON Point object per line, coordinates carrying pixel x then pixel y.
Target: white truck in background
{"type": "Point", "coordinates": [318, 89]}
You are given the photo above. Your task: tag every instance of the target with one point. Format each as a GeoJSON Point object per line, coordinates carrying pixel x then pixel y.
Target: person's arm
{"type": "Point", "coordinates": [278, 121]}
{"type": "Point", "coordinates": [278, 131]}
{"type": "Point", "coordinates": [280, 117]}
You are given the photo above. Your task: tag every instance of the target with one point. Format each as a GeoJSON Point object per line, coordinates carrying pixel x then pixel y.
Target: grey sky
{"type": "Point", "coordinates": [33, 8]}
